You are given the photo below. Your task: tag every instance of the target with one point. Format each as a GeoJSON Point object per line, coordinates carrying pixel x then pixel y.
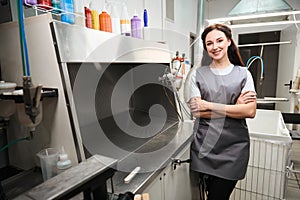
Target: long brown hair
{"type": "Point", "coordinates": [233, 51]}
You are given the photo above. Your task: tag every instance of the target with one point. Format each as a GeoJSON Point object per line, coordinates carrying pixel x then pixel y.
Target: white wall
{"type": "Point", "coordinates": [177, 32]}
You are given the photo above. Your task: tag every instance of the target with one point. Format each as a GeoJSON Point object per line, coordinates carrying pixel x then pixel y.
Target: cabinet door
{"type": "Point", "coordinates": [155, 189]}
{"type": "Point", "coordinates": [177, 182]}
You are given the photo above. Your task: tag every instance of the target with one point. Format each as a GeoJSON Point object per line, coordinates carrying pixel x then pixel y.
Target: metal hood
{"type": "Point", "coordinates": [246, 7]}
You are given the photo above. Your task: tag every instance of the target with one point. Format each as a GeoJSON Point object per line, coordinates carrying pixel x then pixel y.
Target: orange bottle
{"type": "Point", "coordinates": [105, 22]}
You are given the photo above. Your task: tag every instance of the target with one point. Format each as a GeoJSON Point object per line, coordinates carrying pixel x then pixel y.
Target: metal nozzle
{"type": "Point", "coordinates": [31, 96]}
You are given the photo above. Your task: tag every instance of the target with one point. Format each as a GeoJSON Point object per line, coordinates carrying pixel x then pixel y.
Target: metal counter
{"type": "Point", "coordinates": [181, 134]}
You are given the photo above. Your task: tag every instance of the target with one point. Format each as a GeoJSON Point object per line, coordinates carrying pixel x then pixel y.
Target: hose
{"type": "Point", "coordinates": [14, 142]}
{"type": "Point", "coordinates": [23, 43]}
{"type": "Point", "coordinates": [251, 60]}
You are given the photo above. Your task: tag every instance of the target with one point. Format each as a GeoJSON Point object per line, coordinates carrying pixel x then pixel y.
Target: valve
{"type": "Point", "coordinates": [178, 162]}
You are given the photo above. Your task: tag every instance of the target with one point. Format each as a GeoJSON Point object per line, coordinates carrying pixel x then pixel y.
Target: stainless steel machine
{"type": "Point", "coordinates": [114, 100]}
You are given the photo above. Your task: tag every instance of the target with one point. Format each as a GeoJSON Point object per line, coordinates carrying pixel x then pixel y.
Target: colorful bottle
{"type": "Point", "coordinates": [88, 17]}
{"type": "Point", "coordinates": [56, 6]}
{"type": "Point", "coordinates": [45, 4]}
{"type": "Point", "coordinates": [115, 21]}
{"type": "Point", "coordinates": [105, 21]}
{"type": "Point", "coordinates": [30, 2]}
{"type": "Point", "coordinates": [146, 30]}
{"type": "Point", "coordinates": [145, 18]}
{"type": "Point", "coordinates": [125, 22]}
{"type": "Point", "coordinates": [95, 17]}
{"type": "Point", "coordinates": [136, 27]}
{"type": "Point", "coordinates": [68, 11]}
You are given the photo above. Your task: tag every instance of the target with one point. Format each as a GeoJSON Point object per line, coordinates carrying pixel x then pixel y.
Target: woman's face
{"type": "Point", "coordinates": [217, 44]}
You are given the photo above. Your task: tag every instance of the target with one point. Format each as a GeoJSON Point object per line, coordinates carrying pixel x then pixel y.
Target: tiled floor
{"type": "Point", "coordinates": [293, 188]}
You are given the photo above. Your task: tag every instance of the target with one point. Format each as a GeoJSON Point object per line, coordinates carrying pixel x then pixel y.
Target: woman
{"type": "Point", "coordinates": [222, 96]}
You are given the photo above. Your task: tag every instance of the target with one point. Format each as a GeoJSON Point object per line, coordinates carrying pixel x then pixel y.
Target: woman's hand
{"type": "Point", "coordinates": [197, 104]}
{"type": "Point", "coordinates": [246, 97]}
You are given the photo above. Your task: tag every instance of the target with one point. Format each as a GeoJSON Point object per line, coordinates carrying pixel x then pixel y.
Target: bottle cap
{"type": "Point", "coordinates": [63, 155]}
{"type": "Point", "coordinates": [64, 162]}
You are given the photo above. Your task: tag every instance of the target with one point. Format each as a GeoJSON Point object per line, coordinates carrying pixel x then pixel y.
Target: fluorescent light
{"type": "Point", "coordinates": [263, 24]}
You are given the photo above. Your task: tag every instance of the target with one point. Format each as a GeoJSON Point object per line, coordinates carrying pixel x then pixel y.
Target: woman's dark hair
{"type": "Point", "coordinates": [233, 51]}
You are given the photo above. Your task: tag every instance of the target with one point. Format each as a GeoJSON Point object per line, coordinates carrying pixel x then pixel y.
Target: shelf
{"type": "Point", "coordinates": [294, 91]}
{"type": "Point", "coordinates": [46, 92]}
{"type": "Point", "coordinates": [50, 9]}
{"type": "Point", "coordinates": [266, 100]}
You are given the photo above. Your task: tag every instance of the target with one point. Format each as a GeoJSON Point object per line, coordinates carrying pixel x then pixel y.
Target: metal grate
{"type": "Point", "coordinates": [266, 173]}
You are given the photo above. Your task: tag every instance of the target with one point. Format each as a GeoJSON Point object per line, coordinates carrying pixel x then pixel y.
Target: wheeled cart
{"type": "Point", "coordinates": [270, 145]}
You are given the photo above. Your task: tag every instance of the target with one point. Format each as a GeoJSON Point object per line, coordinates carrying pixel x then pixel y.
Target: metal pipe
{"type": "Point", "coordinates": [200, 25]}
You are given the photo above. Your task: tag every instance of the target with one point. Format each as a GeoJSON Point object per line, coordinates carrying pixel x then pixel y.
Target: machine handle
{"type": "Point", "coordinates": [289, 84]}
{"type": "Point", "coordinates": [176, 162]}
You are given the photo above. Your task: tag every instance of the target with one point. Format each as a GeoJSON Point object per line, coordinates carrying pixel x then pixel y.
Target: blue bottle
{"type": "Point", "coordinates": [68, 11]}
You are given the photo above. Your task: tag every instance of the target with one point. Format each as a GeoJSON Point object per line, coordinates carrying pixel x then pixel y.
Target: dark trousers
{"type": "Point", "coordinates": [208, 187]}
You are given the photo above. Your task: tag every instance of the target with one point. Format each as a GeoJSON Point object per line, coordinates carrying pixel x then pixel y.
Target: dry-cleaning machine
{"type": "Point", "coordinates": [113, 101]}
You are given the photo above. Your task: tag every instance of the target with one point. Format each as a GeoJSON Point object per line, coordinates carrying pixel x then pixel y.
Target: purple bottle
{"type": "Point", "coordinates": [29, 2]}
{"type": "Point", "coordinates": [136, 27]}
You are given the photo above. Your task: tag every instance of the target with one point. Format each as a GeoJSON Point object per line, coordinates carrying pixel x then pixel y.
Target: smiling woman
{"type": "Point", "coordinates": [222, 96]}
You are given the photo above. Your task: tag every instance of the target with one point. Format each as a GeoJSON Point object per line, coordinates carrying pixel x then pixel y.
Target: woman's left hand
{"type": "Point", "coordinates": [197, 104]}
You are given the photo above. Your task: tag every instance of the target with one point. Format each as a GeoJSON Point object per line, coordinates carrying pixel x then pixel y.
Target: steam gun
{"type": "Point", "coordinates": [32, 98]}
{"type": "Point", "coordinates": [177, 69]}
{"type": "Point", "coordinates": [177, 72]}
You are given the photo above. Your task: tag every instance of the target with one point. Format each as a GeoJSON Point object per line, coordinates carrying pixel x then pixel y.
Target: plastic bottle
{"type": "Point", "coordinates": [63, 162]}
{"type": "Point", "coordinates": [95, 17]}
{"type": "Point", "coordinates": [56, 6]}
{"type": "Point", "coordinates": [30, 2]}
{"type": "Point", "coordinates": [115, 20]}
{"type": "Point", "coordinates": [45, 4]}
{"type": "Point", "coordinates": [146, 30]}
{"type": "Point", "coordinates": [79, 12]}
{"type": "Point", "coordinates": [88, 17]}
{"type": "Point", "coordinates": [68, 7]}
{"type": "Point", "coordinates": [125, 21]}
{"type": "Point", "coordinates": [145, 17]}
{"type": "Point", "coordinates": [105, 21]}
{"type": "Point", "coordinates": [136, 26]}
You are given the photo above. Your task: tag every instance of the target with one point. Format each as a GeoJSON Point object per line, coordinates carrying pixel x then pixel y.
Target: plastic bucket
{"type": "Point", "coordinates": [48, 158]}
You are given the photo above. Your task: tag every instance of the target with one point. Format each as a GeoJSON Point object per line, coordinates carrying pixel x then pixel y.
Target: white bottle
{"type": "Point", "coordinates": [63, 162]}
{"type": "Point", "coordinates": [115, 20]}
{"type": "Point", "coordinates": [125, 21]}
{"type": "Point", "coordinates": [79, 12]}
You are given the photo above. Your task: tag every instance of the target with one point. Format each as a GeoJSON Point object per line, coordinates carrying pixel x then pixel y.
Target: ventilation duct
{"type": "Point", "coordinates": [269, 15]}
{"type": "Point", "coordinates": [246, 7]}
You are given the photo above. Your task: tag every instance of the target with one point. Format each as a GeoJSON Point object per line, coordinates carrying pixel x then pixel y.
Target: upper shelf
{"type": "Point", "coordinates": [46, 92]}
{"type": "Point", "coordinates": [80, 44]}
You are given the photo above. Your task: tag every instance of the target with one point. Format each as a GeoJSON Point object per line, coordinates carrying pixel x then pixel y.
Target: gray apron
{"type": "Point", "coordinates": [220, 146]}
